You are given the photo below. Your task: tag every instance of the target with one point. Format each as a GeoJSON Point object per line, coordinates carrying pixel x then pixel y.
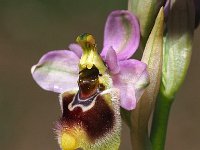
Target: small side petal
{"type": "Point", "coordinates": [132, 81]}
{"type": "Point", "coordinates": [127, 95]}
{"type": "Point", "coordinates": [111, 61]}
{"type": "Point", "coordinates": [122, 33]}
{"type": "Point", "coordinates": [76, 49]}
{"type": "Point", "coordinates": [57, 71]}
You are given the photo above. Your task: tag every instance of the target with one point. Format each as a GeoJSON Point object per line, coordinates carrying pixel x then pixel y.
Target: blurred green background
{"type": "Point", "coordinates": [30, 28]}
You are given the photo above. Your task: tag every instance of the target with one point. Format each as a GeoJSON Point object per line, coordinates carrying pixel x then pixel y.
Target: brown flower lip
{"type": "Point", "coordinates": [100, 116]}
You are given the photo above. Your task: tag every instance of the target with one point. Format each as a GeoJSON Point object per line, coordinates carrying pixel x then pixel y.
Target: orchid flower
{"type": "Point", "coordinates": [91, 108]}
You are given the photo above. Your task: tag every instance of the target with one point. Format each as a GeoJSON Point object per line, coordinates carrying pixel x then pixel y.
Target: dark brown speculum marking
{"type": "Point", "coordinates": [97, 121]}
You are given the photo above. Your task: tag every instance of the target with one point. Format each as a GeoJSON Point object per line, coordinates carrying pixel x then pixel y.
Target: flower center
{"type": "Point", "coordinates": [91, 70]}
{"type": "Point", "coordinates": [89, 89]}
{"type": "Point", "coordinates": [88, 82]}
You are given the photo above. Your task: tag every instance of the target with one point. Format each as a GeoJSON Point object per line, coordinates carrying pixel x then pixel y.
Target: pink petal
{"type": "Point", "coordinates": [131, 80]}
{"type": "Point", "coordinates": [111, 61]}
{"type": "Point", "coordinates": [57, 71]}
{"type": "Point", "coordinates": [76, 49]}
{"type": "Point", "coordinates": [122, 33]}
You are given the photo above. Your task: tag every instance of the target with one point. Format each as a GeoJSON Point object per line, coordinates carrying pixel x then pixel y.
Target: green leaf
{"type": "Point", "coordinates": [146, 11]}
{"type": "Point", "coordinates": [153, 58]}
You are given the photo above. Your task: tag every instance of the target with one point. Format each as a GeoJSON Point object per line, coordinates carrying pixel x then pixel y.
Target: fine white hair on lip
{"type": "Point", "coordinates": [60, 101]}
{"type": "Point", "coordinates": [114, 91]}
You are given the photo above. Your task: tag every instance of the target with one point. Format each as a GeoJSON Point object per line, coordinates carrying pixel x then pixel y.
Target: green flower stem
{"type": "Point", "coordinates": [160, 122]}
{"type": "Point", "coordinates": [176, 58]}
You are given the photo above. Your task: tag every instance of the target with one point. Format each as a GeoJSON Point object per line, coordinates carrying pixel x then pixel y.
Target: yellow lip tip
{"type": "Point", "coordinates": [68, 142]}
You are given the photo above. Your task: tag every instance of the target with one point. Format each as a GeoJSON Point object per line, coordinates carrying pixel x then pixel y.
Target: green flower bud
{"type": "Point", "coordinates": [146, 11]}
{"type": "Point", "coordinates": [177, 46]}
